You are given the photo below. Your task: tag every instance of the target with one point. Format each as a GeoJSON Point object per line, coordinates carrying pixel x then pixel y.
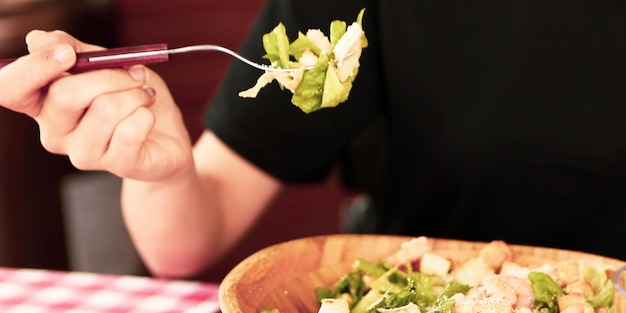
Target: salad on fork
{"type": "Point", "coordinates": [324, 67]}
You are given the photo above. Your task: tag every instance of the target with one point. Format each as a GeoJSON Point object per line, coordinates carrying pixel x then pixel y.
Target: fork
{"type": "Point", "coordinates": [145, 54]}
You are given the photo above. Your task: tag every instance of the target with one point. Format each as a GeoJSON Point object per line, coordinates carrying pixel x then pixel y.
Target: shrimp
{"type": "Point", "coordinates": [497, 294]}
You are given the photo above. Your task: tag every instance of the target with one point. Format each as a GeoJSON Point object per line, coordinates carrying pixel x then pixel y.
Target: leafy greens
{"type": "Point", "coordinates": [324, 68]}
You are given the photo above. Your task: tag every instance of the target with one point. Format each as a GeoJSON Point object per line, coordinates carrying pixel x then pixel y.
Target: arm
{"type": "Point", "coordinates": [184, 205]}
{"type": "Point", "coordinates": [185, 223]}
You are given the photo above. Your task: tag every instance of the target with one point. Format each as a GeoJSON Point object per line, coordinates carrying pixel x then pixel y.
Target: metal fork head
{"type": "Point", "coordinates": [209, 47]}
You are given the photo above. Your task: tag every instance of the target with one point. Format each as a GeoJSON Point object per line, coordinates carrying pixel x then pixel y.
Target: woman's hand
{"type": "Point", "coordinates": [181, 216]}
{"type": "Point", "coordinates": [119, 120]}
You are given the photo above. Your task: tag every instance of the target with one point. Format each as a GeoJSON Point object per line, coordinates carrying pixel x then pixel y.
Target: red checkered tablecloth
{"type": "Point", "coordinates": [44, 291]}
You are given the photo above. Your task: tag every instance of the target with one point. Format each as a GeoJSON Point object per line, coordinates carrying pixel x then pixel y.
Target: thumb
{"type": "Point", "coordinates": [22, 81]}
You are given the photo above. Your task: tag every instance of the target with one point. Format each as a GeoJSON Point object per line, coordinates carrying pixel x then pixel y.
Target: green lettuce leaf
{"type": "Point", "coordinates": [604, 296]}
{"type": "Point", "coordinates": [308, 95]}
{"type": "Point", "coordinates": [546, 290]}
{"type": "Point", "coordinates": [325, 85]}
{"type": "Point", "coordinates": [334, 91]}
{"type": "Point", "coordinates": [276, 45]}
{"type": "Point", "coordinates": [337, 29]}
{"type": "Point", "coordinates": [300, 45]}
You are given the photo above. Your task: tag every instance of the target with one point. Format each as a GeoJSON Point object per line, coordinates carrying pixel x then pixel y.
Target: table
{"type": "Point", "coordinates": [39, 291]}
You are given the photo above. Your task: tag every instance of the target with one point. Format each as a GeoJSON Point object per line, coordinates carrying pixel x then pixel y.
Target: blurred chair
{"type": "Point", "coordinates": [97, 238]}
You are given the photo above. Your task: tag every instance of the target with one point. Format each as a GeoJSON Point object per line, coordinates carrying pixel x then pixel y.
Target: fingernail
{"type": "Point", "coordinates": [138, 73]}
{"type": "Point", "coordinates": [150, 91]}
{"type": "Point", "coordinates": [63, 54]}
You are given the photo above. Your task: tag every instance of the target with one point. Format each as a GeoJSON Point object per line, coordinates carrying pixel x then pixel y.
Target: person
{"type": "Point", "coordinates": [493, 120]}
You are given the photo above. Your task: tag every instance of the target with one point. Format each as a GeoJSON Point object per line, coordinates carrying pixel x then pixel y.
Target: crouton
{"type": "Point", "coordinates": [411, 251]}
{"type": "Point", "coordinates": [334, 306]}
{"type": "Point", "coordinates": [434, 264]}
{"type": "Point", "coordinates": [513, 269]}
{"type": "Point", "coordinates": [472, 271]}
{"type": "Point", "coordinates": [583, 287]}
{"type": "Point", "coordinates": [575, 300]}
{"type": "Point", "coordinates": [569, 272]}
{"type": "Point", "coordinates": [495, 253]}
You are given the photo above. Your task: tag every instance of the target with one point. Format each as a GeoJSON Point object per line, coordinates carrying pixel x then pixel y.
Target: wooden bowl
{"type": "Point", "coordinates": [284, 276]}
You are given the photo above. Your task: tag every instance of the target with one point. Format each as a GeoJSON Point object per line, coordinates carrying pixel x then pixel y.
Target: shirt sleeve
{"type": "Point", "coordinates": [272, 133]}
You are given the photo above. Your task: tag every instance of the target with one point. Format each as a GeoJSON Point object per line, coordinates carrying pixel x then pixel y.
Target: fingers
{"type": "Point", "coordinates": [68, 98]}
{"type": "Point", "coordinates": [38, 39]}
{"type": "Point", "coordinates": [85, 108]}
{"type": "Point", "coordinates": [23, 80]}
{"type": "Point", "coordinates": [100, 119]}
{"type": "Point", "coordinates": [111, 144]}
{"type": "Point", "coordinates": [128, 143]}
{"type": "Point", "coordinates": [91, 138]}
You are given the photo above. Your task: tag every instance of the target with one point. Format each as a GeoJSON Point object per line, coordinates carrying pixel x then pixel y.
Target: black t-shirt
{"type": "Point", "coordinates": [498, 119]}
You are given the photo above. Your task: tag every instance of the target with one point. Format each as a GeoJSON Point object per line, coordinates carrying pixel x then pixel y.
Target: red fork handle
{"type": "Point", "coordinates": [118, 57]}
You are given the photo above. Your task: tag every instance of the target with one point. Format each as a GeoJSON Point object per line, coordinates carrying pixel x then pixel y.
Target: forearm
{"type": "Point", "coordinates": [183, 225]}
{"type": "Point", "coordinates": [173, 224]}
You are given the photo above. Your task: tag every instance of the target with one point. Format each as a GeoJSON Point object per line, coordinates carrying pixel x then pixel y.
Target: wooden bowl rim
{"type": "Point", "coordinates": [227, 290]}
